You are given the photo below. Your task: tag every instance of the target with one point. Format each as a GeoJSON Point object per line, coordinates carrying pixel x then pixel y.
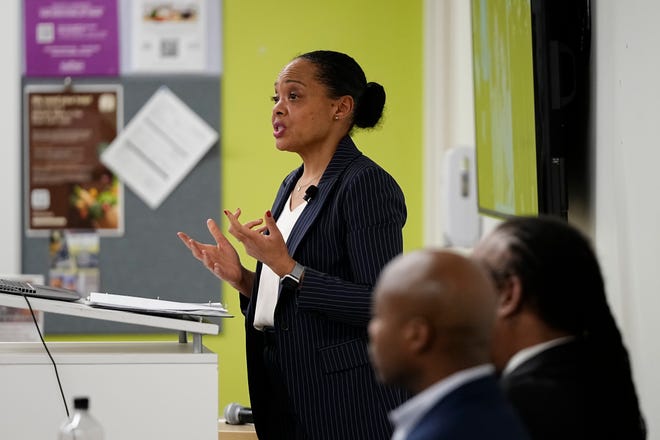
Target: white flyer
{"type": "Point", "coordinates": [168, 36]}
{"type": "Point", "coordinates": [159, 147]}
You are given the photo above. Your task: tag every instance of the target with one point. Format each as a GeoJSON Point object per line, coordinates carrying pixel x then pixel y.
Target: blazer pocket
{"type": "Point", "coordinates": [344, 356]}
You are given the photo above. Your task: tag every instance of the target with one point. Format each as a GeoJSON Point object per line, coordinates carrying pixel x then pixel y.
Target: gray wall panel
{"type": "Point", "coordinates": [149, 260]}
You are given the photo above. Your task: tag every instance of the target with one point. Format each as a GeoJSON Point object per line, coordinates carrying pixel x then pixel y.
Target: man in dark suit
{"type": "Point", "coordinates": [562, 359]}
{"type": "Point", "coordinates": [430, 333]}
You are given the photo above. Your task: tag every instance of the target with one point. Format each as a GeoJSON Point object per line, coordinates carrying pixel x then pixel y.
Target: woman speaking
{"type": "Point", "coordinates": [336, 221]}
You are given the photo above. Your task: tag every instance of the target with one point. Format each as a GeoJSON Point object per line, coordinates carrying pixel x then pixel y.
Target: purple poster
{"type": "Point", "coordinates": [71, 38]}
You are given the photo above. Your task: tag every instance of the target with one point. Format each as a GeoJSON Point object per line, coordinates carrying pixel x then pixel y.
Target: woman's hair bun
{"type": "Point", "coordinates": [370, 106]}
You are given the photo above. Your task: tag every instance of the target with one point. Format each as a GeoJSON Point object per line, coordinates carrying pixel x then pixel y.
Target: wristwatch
{"type": "Point", "coordinates": [292, 279]}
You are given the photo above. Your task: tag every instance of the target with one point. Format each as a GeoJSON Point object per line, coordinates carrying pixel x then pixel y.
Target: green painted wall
{"type": "Point", "coordinates": [259, 38]}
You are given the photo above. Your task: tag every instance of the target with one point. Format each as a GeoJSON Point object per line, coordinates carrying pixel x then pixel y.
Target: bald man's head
{"type": "Point", "coordinates": [431, 309]}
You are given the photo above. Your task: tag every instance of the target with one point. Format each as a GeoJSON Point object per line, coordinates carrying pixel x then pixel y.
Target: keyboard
{"type": "Point", "coordinates": [19, 287]}
{"type": "Point", "coordinates": [37, 290]}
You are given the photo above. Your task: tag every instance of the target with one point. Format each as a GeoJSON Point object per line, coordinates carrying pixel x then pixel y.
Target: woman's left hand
{"type": "Point", "coordinates": [268, 248]}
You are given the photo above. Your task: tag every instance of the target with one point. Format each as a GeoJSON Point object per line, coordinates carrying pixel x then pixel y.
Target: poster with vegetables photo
{"type": "Point", "coordinates": [67, 186]}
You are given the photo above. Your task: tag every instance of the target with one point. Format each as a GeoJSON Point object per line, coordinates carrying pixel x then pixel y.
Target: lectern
{"type": "Point", "coordinates": [137, 390]}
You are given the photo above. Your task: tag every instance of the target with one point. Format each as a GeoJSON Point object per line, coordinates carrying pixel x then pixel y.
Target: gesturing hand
{"type": "Point", "coordinates": [269, 248]}
{"type": "Point", "coordinates": [220, 258]}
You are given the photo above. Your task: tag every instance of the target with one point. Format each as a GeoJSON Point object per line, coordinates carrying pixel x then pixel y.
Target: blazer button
{"type": "Point", "coordinates": [284, 326]}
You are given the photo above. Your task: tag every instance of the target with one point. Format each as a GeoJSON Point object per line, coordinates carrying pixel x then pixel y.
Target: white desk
{"type": "Point", "coordinates": [137, 390]}
{"type": "Point", "coordinates": [83, 310]}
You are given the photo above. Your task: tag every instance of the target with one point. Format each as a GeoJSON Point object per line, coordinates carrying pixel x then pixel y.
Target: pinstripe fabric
{"type": "Point", "coordinates": [344, 237]}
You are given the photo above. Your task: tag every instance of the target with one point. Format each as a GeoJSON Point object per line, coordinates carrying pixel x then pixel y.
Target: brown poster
{"type": "Point", "coordinates": [67, 186]}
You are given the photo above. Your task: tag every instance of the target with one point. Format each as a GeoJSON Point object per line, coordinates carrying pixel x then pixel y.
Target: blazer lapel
{"type": "Point", "coordinates": [346, 153]}
{"type": "Point", "coordinates": [285, 189]}
{"type": "Point", "coordinates": [280, 200]}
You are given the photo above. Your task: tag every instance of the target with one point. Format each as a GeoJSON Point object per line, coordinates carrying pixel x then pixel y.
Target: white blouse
{"type": "Point", "coordinates": [269, 282]}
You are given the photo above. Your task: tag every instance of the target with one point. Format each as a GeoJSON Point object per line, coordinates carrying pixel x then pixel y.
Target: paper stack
{"type": "Point", "coordinates": [156, 306]}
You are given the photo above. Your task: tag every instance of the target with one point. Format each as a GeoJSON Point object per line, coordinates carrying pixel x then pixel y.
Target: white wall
{"type": "Point", "coordinates": [448, 101]}
{"type": "Point", "coordinates": [448, 104]}
{"type": "Point", "coordinates": [10, 146]}
{"type": "Point", "coordinates": [624, 218]}
{"type": "Point", "coordinates": [626, 99]}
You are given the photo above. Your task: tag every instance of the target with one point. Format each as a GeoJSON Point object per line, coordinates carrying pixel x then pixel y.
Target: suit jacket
{"type": "Point", "coordinates": [476, 410]}
{"type": "Point", "coordinates": [315, 373]}
{"type": "Point", "coordinates": [563, 393]}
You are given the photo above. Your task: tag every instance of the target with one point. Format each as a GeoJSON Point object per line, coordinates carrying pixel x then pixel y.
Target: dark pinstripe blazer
{"type": "Point", "coordinates": [344, 237]}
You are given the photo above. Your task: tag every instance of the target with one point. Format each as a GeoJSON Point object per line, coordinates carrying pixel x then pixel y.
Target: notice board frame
{"type": "Point", "coordinates": [149, 260]}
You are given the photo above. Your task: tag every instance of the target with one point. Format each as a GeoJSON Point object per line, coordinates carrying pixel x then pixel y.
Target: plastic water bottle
{"type": "Point", "coordinates": [81, 425]}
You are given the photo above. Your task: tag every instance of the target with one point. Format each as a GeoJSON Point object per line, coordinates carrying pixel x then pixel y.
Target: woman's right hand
{"type": "Point", "coordinates": [220, 258]}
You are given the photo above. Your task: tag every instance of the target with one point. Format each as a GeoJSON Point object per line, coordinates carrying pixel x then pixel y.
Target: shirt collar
{"type": "Point", "coordinates": [527, 353]}
{"type": "Point", "coordinates": [406, 416]}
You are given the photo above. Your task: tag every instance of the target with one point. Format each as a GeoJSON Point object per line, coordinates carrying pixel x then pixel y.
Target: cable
{"type": "Point", "coordinates": [57, 375]}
